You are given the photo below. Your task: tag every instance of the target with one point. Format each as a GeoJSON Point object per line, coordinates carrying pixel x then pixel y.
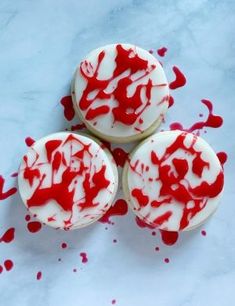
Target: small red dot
{"type": "Point", "coordinates": [113, 302]}
{"type": "Point", "coordinates": [27, 218]}
{"type": "Point", "coordinates": [157, 249]}
{"type": "Point", "coordinates": [39, 275]}
{"type": "Point", "coordinates": [203, 232]}
{"type": "Point", "coordinates": [167, 260]}
{"type": "Point", "coordinates": [153, 233]}
{"type": "Point", "coordinates": [74, 270]}
{"type": "Point", "coordinates": [64, 245]}
{"type": "Point", "coordinates": [114, 240]}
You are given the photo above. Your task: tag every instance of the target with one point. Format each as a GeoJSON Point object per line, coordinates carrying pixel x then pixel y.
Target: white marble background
{"type": "Point", "coordinates": [41, 42]}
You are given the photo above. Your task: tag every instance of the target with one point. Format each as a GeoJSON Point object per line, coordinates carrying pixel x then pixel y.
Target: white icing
{"type": "Point", "coordinates": [158, 143]}
{"type": "Point", "coordinates": [93, 161]}
{"type": "Point", "coordinates": [104, 124]}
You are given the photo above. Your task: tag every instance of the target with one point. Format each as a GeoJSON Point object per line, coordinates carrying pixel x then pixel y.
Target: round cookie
{"type": "Point", "coordinates": [173, 181]}
{"type": "Point", "coordinates": [68, 180]}
{"type": "Point", "coordinates": [120, 92]}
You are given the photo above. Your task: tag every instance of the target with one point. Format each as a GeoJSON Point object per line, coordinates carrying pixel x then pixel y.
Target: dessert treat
{"type": "Point", "coordinates": [120, 92]}
{"type": "Point", "coordinates": [173, 181]}
{"type": "Point", "coordinates": [67, 180]}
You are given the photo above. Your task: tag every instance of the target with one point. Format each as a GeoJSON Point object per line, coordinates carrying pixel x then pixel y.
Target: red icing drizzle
{"type": "Point", "coordinates": [169, 238]}
{"type": "Point", "coordinates": [84, 257]}
{"type": "Point", "coordinates": [162, 51]}
{"type": "Point", "coordinates": [8, 193]}
{"type": "Point", "coordinates": [119, 208]}
{"type": "Point", "coordinates": [172, 187]}
{"type": "Point", "coordinates": [212, 120]}
{"type": "Point", "coordinates": [29, 141]}
{"type": "Point", "coordinates": [180, 79]}
{"type": "Point", "coordinates": [8, 236]}
{"type": "Point", "coordinates": [67, 103]}
{"type": "Point", "coordinates": [39, 275]}
{"type": "Point", "coordinates": [8, 264]}
{"type": "Point", "coordinates": [128, 109]}
{"type": "Point", "coordinates": [222, 156]}
{"type": "Point", "coordinates": [60, 192]}
{"type": "Point", "coordinates": [120, 156]}
{"type": "Point", "coordinates": [34, 226]}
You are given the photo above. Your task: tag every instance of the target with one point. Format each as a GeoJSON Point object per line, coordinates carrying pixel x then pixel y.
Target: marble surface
{"type": "Point", "coordinates": [41, 44]}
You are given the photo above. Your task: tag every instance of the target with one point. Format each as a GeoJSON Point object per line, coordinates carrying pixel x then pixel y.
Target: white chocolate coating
{"type": "Point", "coordinates": [173, 181]}
{"type": "Point", "coordinates": [68, 180]}
{"type": "Point", "coordinates": [120, 92]}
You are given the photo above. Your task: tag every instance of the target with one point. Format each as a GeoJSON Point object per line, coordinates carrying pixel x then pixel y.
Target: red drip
{"type": "Point", "coordinates": [84, 257]}
{"type": "Point", "coordinates": [8, 264]}
{"type": "Point", "coordinates": [29, 141]}
{"type": "Point", "coordinates": [67, 103]}
{"type": "Point", "coordinates": [128, 109]}
{"type": "Point", "coordinates": [120, 156]}
{"type": "Point", "coordinates": [142, 224]}
{"type": "Point", "coordinates": [162, 51]}
{"type": "Point", "coordinates": [212, 120]}
{"type": "Point", "coordinates": [169, 238]}
{"type": "Point", "coordinates": [180, 79]}
{"type": "Point", "coordinates": [171, 101]}
{"type": "Point", "coordinates": [166, 260]}
{"type": "Point", "coordinates": [119, 208]}
{"type": "Point", "coordinates": [8, 236]}
{"type": "Point", "coordinates": [8, 193]}
{"type": "Point", "coordinates": [172, 187]}
{"type": "Point", "coordinates": [34, 226]}
{"type": "Point", "coordinates": [39, 275]}
{"type": "Point", "coordinates": [222, 156]}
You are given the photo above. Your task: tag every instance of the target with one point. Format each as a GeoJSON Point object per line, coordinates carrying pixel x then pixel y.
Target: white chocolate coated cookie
{"type": "Point", "coordinates": [120, 92]}
{"type": "Point", "coordinates": [173, 180]}
{"type": "Point", "coordinates": [67, 180]}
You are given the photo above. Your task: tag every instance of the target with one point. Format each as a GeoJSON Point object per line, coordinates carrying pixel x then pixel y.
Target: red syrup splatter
{"type": "Point", "coordinates": [157, 249]}
{"type": "Point", "coordinates": [60, 192]}
{"type": "Point", "coordinates": [203, 232]}
{"type": "Point", "coordinates": [67, 103]}
{"type": "Point", "coordinates": [169, 238]}
{"type": "Point", "coordinates": [39, 275]}
{"type": "Point", "coordinates": [27, 218]}
{"type": "Point", "coordinates": [119, 208]}
{"type": "Point", "coordinates": [84, 257]}
{"type": "Point", "coordinates": [113, 302]}
{"type": "Point", "coordinates": [212, 120]}
{"type": "Point", "coordinates": [64, 245]}
{"type": "Point", "coordinates": [29, 141]}
{"type": "Point", "coordinates": [171, 101]}
{"type": "Point", "coordinates": [222, 156]}
{"type": "Point", "coordinates": [128, 109]}
{"type": "Point", "coordinates": [162, 51]}
{"type": "Point", "coordinates": [15, 174]}
{"type": "Point", "coordinates": [166, 260]}
{"type": "Point", "coordinates": [34, 226]}
{"type": "Point", "coordinates": [120, 156]}
{"type": "Point", "coordinates": [180, 79]}
{"type": "Point", "coordinates": [78, 127]}
{"type": "Point", "coordinates": [8, 264]}
{"type": "Point", "coordinates": [172, 187]}
{"type": "Point", "coordinates": [8, 193]}
{"type": "Point", "coordinates": [8, 236]}
{"type": "Point", "coordinates": [1, 269]}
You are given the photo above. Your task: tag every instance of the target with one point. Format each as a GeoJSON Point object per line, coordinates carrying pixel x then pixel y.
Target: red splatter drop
{"type": "Point", "coordinates": [29, 141]}
{"type": "Point", "coordinates": [119, 208]}
{"type": "Point", "coordinates": [169, 238]}
{"type": "Point", "coordinates": [84, 257]}
{"type": "Point", "coordinates": [15, 174]}
{"type": "Point", "coordinates": [203, 232]}
{"type": "Point", "coordinates": [212, 120]}
{"type": "Point", "coordinates": [34, 226]}
{"type": "Point", "coordinates": [8, 236]}
{"type": "Point", "coordinates": [8, 264]}
{"type": "Point", "coordinates": [39, 275]}
{"type": "Point", "coordinates": [162, 51]}
{"type": "Point", "coordinates": [167, 260]}
{"type": "Point", "coordinates": [180, 79]}
{"type": "Point", "coordinates": [27, 218]}
{"type": "Point", "coordinates": [1, 269]}
{"type": "Point", "coordinates": [113, 302]}
{"type": "Point", "coordinates": [222, 156]}
{"type": "Point", "coordinates": [64, 245]}
{"type": "Point", "coordinates": [157, 249]}
{"type": "Point", "coordinates": [74, 270]}
{"type": "Point", "coordinates": [67, 103]}
{"type": "Point", "coordinates": [154, 233]}
{"type": "Point", "coordinates": [8, 193]}
{"type": "Point", "coordinates": [120, 156]}
{"type": "Point", "coordinates": [171, 101]}
{"type": "Point", "coordinates": [78, 127]}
